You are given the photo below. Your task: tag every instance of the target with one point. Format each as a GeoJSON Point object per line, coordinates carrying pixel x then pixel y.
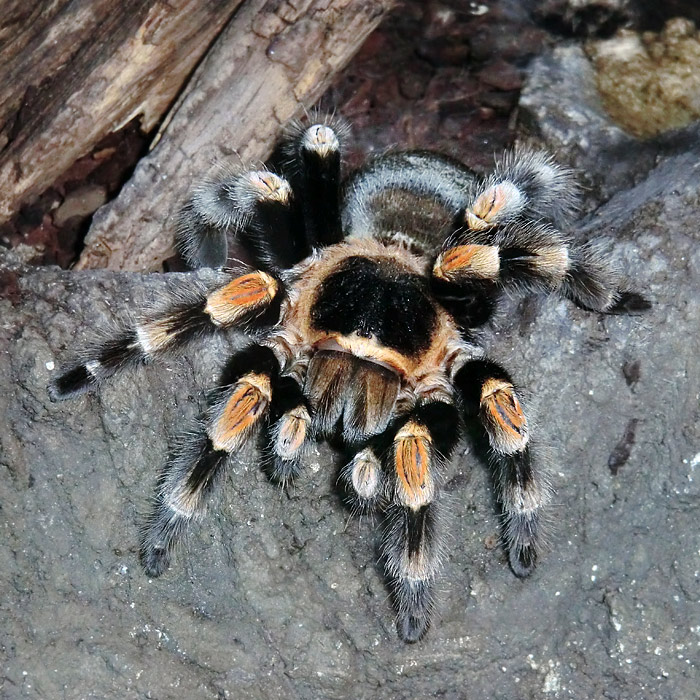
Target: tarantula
{"type": "Point", "coordinates": [361, 306]}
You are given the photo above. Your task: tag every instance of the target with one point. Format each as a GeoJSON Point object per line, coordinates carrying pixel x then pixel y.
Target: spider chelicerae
{"type": "Point", "coordinates": [361, 306]}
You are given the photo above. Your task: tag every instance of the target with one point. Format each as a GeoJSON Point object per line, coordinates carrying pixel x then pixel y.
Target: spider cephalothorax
{"type": "Point", "coordinates": [361, 304]}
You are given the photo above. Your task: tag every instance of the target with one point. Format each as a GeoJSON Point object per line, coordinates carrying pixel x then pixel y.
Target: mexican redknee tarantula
{"type": "Point", "coordinates": [361, 307]}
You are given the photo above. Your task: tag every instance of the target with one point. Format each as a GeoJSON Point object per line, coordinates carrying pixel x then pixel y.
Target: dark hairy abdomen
{"type": "Point", "coordinates": [415, 193]}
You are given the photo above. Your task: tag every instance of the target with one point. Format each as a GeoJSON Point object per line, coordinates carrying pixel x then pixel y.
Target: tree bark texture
{"type": "Point", "coordinates": [271, 61]}
{"type": "Point", "coordinates": [74, 71]}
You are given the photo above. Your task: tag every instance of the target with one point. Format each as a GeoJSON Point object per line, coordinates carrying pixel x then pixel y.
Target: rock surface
{"type": "Point", "coordinates": [276, 595]}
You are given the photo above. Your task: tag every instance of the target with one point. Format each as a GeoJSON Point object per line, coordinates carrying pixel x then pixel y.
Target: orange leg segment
{"type": "Point", "coordinates": [239, 297]}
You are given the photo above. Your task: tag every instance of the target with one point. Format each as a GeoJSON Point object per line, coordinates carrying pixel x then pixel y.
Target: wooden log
{"type": "Point", "coordinates": [271, 60]}
{"type": "Point", "coordinates": [73, 71]}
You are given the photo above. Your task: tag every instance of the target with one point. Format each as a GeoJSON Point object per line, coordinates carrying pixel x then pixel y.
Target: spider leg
{"type": "Point", "coordinates": [410, 545]}
{"type": "Point", "coordinates": [237, 410]}
{"type": "Point", "coordinates": [525, 256]}
{"type": "Point", "coordinates": [363, 480]}
{"type": "Point", "coordinates": [313, 166]}
{"type": "Point", "coordinates": [509, 229]}
{"type": "Point", "coordinates": [487, 391]}
{"type": "Point", "coordinates": [592, 282]}
{"type": "Point", "coordinates": [249, 300]}
{"type": "Point", "coordinates": [525, 185]}
{"type": "Point", "coordinates": [511, 238]}
{"type": "Point", "coordinates": [289, 435]}
{"type": "Point", "coordinates": [531, 257]}
{"type": "Point", "coordinates": [257, 205]}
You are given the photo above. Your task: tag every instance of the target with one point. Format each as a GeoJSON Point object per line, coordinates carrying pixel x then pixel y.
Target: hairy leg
{"type": "Point", "coordinates": [257, 206]}
{"type": "Point", "coordinates": [521, 483]}
{"type": "Point", "coordinates": [251, 300]}
{"type": "Point", "coordinates": [411, 541]}
{"type": "Point", "coordinates": [313, 165]}
{"type": "Point", "coordinates": [237, 410]}
{"type": "Point", "coordinates": [509, 236]}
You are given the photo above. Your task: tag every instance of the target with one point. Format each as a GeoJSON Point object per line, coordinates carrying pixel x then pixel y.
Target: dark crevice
{"type": "Point", "coordinates": [590, 22]}
{"type": "Point", "coordinates": [55, 224]}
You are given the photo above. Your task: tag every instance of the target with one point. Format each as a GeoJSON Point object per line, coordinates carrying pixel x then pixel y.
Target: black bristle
{"type": "Point", "coordinates": [629, 303]}
{"type": "Point", "coordinates": [117, 352]}
{"type": "Point", "coordinates": [72, 383]}
{"type": "Point", "coordinates": [442, 421]}
{"type": "Point", "coordinates": [204, 470]}
{"type": "Point", "coordinates": [199, 243]}
{"type": "Point", "coordinates": [256, 358]}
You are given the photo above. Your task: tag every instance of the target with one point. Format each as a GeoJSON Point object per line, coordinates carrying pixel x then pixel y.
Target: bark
{"type": "Point", "coordinates": [271, 60]}
{"type": "Point", "coordinates": [74, 71]}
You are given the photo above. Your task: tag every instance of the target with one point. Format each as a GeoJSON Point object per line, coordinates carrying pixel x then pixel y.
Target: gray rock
{"type": "Point", "coordinates": [276, 595]}
{"type": "Point", "coordinates": [561, 109]}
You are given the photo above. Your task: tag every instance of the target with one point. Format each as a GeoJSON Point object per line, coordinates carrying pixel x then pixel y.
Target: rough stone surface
{"type": "Point", "coordinates": [649, 82]}
{"type": "Point", "coordinates": [561, 108]}
{"type": "Point", "coordinates": [276, 595]}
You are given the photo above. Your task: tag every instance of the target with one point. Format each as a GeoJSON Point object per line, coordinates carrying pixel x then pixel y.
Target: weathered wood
{"type": "Point", "coordinates": [271, 60]}
{"type": "Point", "coordinates": [72, 71]}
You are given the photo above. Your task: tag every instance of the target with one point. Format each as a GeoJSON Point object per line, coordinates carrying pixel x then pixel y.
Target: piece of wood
{"type": "Point", "coordinates": [271, 60]}
{"type": "Point", "coordinates": [73, 71]}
